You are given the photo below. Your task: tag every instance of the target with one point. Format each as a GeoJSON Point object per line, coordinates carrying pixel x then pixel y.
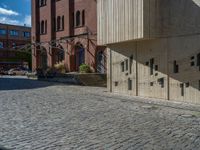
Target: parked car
{"type": "Point", "coordinates": [1, 72]}
{"type": "Point", "coordinates": [17, 71]}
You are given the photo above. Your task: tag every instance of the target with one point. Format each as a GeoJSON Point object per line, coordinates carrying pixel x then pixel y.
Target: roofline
{"type": "Point", "coordinates": [14, 25]}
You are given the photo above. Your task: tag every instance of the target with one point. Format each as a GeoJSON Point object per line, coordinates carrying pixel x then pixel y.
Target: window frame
{"type": "Point", "coordinates": [78, 19]}
{"type": "Point", "coordinates": [42, 3]}
{"type": "Point", "coordinates": [14, 31]}
{"type": "Point", "coordinates": [4, 33]}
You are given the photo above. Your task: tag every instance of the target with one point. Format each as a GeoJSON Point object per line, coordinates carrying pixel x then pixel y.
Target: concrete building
{"type": "Point", "coordinates": [153, 47]}
{"type": "Point", "coordinates": [66, 31]}
{"type": "Point", "coordinates": [11, 38]}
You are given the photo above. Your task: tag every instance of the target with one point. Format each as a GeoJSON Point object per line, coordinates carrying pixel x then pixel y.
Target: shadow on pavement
{"type": "Point", "coordinates": [20, 83]}
{"type": "Point", "coordinates": [3, 148]}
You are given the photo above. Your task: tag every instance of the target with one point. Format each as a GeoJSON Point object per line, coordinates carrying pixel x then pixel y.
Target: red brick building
{"type": "Point", "coordinates": [11, 38]}
{"type": "Point", "coordinates": [66, 31]}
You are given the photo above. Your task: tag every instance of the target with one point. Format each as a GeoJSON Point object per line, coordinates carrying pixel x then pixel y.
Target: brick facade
{"type": "Point", "coordinates": [66, 31]}
{"type": "Point", "coordinates": [11, 37]}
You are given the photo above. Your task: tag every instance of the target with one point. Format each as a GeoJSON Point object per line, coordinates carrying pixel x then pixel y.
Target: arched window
{"type": "Point", "coordinates": [45, 27]}
{"type": "Point", "coordinates": [54, 24]}
{"type": "Point", "coordinates": [58, 23]}
{"type": "Point", "coordinates": [78, 15]}
{"type": "Point", "coordinates": [42, 27]}
{"type": "Point", "coordinates": [63, 22]}
{"type": "Point", "coordinates": [73, 20]}
{"type": "Point", "coordinates": [83, 17]}
{"type": "Point", "coordinates": [42, 3]}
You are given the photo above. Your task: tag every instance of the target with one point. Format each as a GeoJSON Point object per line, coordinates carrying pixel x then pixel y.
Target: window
{"type": "Point", "coordinates": [13, 45]}
{"type": "Point", "coordinates": [27, 34]}
{"type": "Point", "coordinates": [14, 33]}
{"type": "Point", "coordinates": [45, 25]}
{"type": "Point", "coordinates": [122, 66]}
{"type": "Point", "coordinates": [83, 17]}
{"type": "Point", "coordinates": [72, 19]}
{"type": "Point", "coordinates": [187, 84]}
{"type": "Point", "coordinates": [78, 22]}
{"type": "Point", "coordinates": [198, 59]}
{"type": "Point", "coordinates": [54, 24]}
{"type": "Point", "coordinates": [199, 85]}
{"type": "Point", "coordinates": [1, 45]}
{"type": "Point", "coordinates": [126, 64]}
{"type": "Point", "coordinates": [42, 3]}
{"type": "Point", "coordinates": [38, 27]}
{"type": "Point", "coordinates": [176, 67]}
{"type": "Point", "coordinates": [42, 27]}
{"type": "Point", "coordinates": [131, 63]}
{"type": "Point", "coordinates": [156, 67]}
{"type": "Point", "coordinates": [192, 63]}
{"type": "Point", "coordinates": [3, 32]}
{"type": "Point", "coordinates": [161, 82]}
{"type": "Point", "coordinates": [151, 66]}
{"type": "Point", "coordinates": [58, 23]}
{"type": "Point", "coordinates": [63, 22]}
{"type": "Point", "coordinates": [182, 89]}
{"type": "Point", "coordinates": [129, 84]}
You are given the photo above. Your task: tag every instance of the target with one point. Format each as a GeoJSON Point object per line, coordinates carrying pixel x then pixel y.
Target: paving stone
{"type": "Point", "coordinates": [50, 116]}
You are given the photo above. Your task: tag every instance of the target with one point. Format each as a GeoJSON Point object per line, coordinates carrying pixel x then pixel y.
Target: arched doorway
{"type": "Point", "coordinates": [43, 61]}
{"type": "Point", "coordinates": [79, 55]}
{"type": "Point", "coordinates": [100, 62]}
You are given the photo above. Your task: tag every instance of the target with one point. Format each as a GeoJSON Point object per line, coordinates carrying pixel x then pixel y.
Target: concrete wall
{"type": "Point", "coordinates": [162, 37]}
{"type": "Point", "coordinates": [126, 20]}
{"type": "Point", "coordinates": [165, 51]}
{"type": "Point", "coordinates": [121, 20]}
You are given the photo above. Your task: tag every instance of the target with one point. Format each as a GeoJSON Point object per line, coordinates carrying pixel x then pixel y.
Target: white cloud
{"type": "Point", "coordinates": [7, 20]}
{"type": "Point", "coordinates": [4, 11]}
{"type": "Point", "coordinates": [27, 20]}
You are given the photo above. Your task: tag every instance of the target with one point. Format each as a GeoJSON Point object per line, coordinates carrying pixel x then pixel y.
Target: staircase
{"type": "Point", "coordinates": [86, 79]}
{"type": "Point", "coordinates": [92, 79]}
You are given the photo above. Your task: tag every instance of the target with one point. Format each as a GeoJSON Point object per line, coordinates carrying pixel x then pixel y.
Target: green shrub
{"type": "Point", "coordinates": [84, 68]}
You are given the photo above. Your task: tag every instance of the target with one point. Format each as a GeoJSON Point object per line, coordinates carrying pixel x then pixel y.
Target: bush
{"type": "Point", "coordinates": [84, 68]}
{"type": "Point", "coordinates": [40, 72]}
{"type": "Point", "coordinates": [60, 67]}
{"type": "Point", "coordinates": [46, 73]}
{"type": "Point", "coordinates": [50, 72]}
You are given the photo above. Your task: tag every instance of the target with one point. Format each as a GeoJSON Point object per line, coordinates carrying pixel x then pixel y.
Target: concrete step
{"type": "Point", "coordinates": [89, 79]}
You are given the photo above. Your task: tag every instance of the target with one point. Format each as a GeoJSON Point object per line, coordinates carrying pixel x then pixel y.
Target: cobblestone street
{"type": "Point", "coordinates": [36, 115]}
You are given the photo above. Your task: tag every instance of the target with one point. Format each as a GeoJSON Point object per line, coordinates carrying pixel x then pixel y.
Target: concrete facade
{"type": "Point", "coordinates": [157, 53]}
{"type": "Point", "coordinates": [13, 37]}
{"type": "Point", "coordinates": [70, 34]}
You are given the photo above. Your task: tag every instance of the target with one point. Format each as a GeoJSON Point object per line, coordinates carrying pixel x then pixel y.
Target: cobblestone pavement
{"type": "Point", "coordinates": [37, 115]}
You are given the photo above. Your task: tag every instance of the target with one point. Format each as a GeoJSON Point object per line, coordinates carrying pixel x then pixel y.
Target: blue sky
{"type": "Point", "coordinates": [16, 12]}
